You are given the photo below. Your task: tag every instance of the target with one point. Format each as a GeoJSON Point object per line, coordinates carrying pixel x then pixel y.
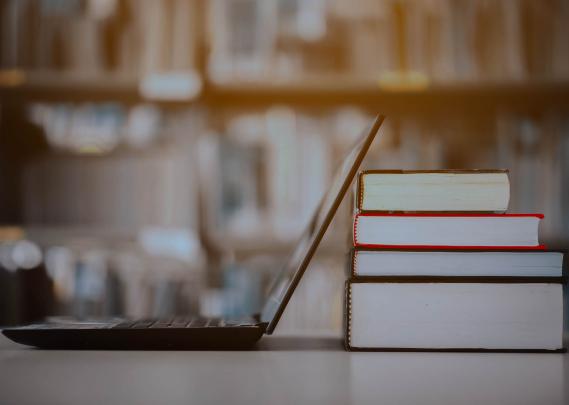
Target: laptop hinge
{"type": "Point", "coordinates": [257, 318]}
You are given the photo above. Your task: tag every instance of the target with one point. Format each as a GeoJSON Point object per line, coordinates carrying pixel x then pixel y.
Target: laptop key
{"type": "Point", "coordinates": [143, 324]}
{"type": "Point", "coordinates": [198, 323]}
{"type": "Point", "coordinates": [180, 322]}
{"type": "Point", "coordinates": [123, 325]}
{"type": "Point", "coordinates": [161, 323]}
{"type": "Point", "coordinates": [215, 322]}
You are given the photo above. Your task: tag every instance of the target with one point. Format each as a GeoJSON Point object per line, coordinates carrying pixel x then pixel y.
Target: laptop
{"type": "Point", "coordinates": [199, 332]}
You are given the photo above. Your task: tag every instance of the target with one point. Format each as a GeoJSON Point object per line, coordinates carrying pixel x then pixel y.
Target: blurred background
{"type": "Point", "coordinates": [160, 157]}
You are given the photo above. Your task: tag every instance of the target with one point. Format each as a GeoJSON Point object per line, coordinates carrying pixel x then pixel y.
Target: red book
{"type": "Point", "coordinates": [447, 231]}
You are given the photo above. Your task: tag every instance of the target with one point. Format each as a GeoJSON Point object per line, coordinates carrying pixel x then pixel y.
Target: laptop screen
{"type": "Point", "coordinates": [285, 282]}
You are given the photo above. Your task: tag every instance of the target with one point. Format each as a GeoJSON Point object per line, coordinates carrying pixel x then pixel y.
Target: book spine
{"type": "Point", "coordinates": [360, 192]}
{"type": "Point", "coordinates": [347, 315]}
{"type": "Point", "coordinates": [353, 263]}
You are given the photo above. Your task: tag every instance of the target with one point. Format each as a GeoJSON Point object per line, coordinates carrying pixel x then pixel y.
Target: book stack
{"type": "Point", "coordinates": [438, 264]}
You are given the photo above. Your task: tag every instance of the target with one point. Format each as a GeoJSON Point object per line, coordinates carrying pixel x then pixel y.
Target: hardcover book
{"type": "Point", "coordinates": [504, 314]}
{"type": "Point", "coordinates": [447, 263]}
{"type": "Point", "coordinates": [437, 191]}
{"type": "Point", "coordinates": [447, 231]}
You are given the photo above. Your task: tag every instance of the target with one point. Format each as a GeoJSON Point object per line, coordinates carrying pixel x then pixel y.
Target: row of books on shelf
{"type": "Point", "coordinates": [48, 272]}
{"type": "Point", "coordinates": [85, 273]}
{"type": "Point", "coordinates": [93, 277]}
{"type": "Point", "coordinates": [388, 40]}
{"type": "Point", "coordinates": [249, 158]}
{"type": "Point", "coordinates": [438, 264]}
{"type": "Point", "coordinates": [97, 128]}
{"type": "Point", "coordinates": [92, 37]}
{"type": "Point", "coordinates": [95, 283]}
{"type": "Point", "coordinates": [263, 172]}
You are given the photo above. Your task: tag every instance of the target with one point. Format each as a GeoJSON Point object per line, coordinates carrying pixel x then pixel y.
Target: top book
{"type": "Point", "coordinates": [433, 190]}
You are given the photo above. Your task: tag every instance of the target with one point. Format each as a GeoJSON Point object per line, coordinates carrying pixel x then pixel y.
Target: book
{"type": "Point", "coordinates": [389, 262]}
{"type": "Point", "coordinates": [448, 231]}
{"type": "Point", "coordinates": [455, 315]}
{"type": "Point", "coordinates": [439, 190]}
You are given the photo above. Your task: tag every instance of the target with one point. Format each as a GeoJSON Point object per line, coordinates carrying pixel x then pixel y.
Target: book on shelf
{"type": "Point", "coordinates": [450, 263]}
{"type": "Point", "coordinates": [448, 231]}
{"type": "Point", "coordinates": [478, 314]}
{"type": "Point", "coordinates": [433, 190]}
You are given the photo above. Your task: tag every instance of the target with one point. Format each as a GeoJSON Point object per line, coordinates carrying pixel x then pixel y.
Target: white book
{"type": "Point", "coordinates": [461, 190]}
{"type": "Point", "coordinates": [486, 316]}
{"type": "Point", "coordinates": [452, 231]}
{"type": "Point", "coordinates": [372, 263]}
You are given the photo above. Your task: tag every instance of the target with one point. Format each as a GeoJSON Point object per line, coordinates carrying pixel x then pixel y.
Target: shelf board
{"type": "Point", "coordinates": [58, 87]}
{"type": "Point", "coordinates": [326, 91]}
{"type": "Point", "coordinates": [390, 99]}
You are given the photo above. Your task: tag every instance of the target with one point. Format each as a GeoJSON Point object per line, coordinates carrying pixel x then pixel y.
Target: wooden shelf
{"type": "Point", "coordinates": [310, 92]}
{"type": "Point", "coordinates": [68, 88]}
{"type": "Point", "coordinates": [58, 87]}
{"type": "Point", "coordinates": [484, 96]}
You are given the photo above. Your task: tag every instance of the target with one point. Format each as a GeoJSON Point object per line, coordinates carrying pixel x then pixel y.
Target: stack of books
{"type": "Point", "coordinates": [437, 264]}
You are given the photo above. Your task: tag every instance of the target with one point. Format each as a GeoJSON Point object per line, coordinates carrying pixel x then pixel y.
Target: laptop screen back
{"type": "Point", "coordinates": [285, 282]}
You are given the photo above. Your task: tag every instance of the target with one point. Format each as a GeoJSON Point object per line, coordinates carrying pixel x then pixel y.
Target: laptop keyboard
{"type": "Point", "coordinates": [168, 323]}
{"type": "Point", "coordinates": [178, 322]}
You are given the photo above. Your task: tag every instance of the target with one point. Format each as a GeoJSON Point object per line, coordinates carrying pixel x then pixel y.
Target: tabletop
{"type": "Point", "coordinates": [281, 370]}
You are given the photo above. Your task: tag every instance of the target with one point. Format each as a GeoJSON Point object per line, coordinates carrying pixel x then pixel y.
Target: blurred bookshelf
{"type": "Point", "coordinates": [214, 126]}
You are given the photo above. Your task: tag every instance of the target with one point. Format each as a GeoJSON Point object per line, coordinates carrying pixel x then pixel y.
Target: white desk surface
{"type": "Point", "coordinates": [281, 371]}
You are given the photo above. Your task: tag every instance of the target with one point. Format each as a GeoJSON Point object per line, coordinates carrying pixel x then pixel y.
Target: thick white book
{"type": "Point", "coordinates": [442, 190]}
{"type": "Point", "coordinates": [450, 231]}
{"type": "Point", "coordinates": [382, 262]}
{"type": "Point", "coordinates": [454, 316]}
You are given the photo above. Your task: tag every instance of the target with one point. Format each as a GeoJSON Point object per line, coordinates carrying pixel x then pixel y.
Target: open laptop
{"type": "Point", "coordinates": [199, 332]}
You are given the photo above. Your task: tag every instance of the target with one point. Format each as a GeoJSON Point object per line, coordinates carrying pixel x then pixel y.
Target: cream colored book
{"type": "Point", "coordinates": [437, 190]}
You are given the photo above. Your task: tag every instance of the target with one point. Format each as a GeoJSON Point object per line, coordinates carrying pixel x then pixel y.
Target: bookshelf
{"type": "Point", "coordinates": [480, 86]}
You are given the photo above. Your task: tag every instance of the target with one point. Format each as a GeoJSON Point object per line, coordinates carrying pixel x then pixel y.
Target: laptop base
{"type": "Point", "coordinates": [138, 335]}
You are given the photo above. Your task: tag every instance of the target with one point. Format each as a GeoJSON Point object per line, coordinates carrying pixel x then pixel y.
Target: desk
{"type": "Point", "coordinates": [282, 370]}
